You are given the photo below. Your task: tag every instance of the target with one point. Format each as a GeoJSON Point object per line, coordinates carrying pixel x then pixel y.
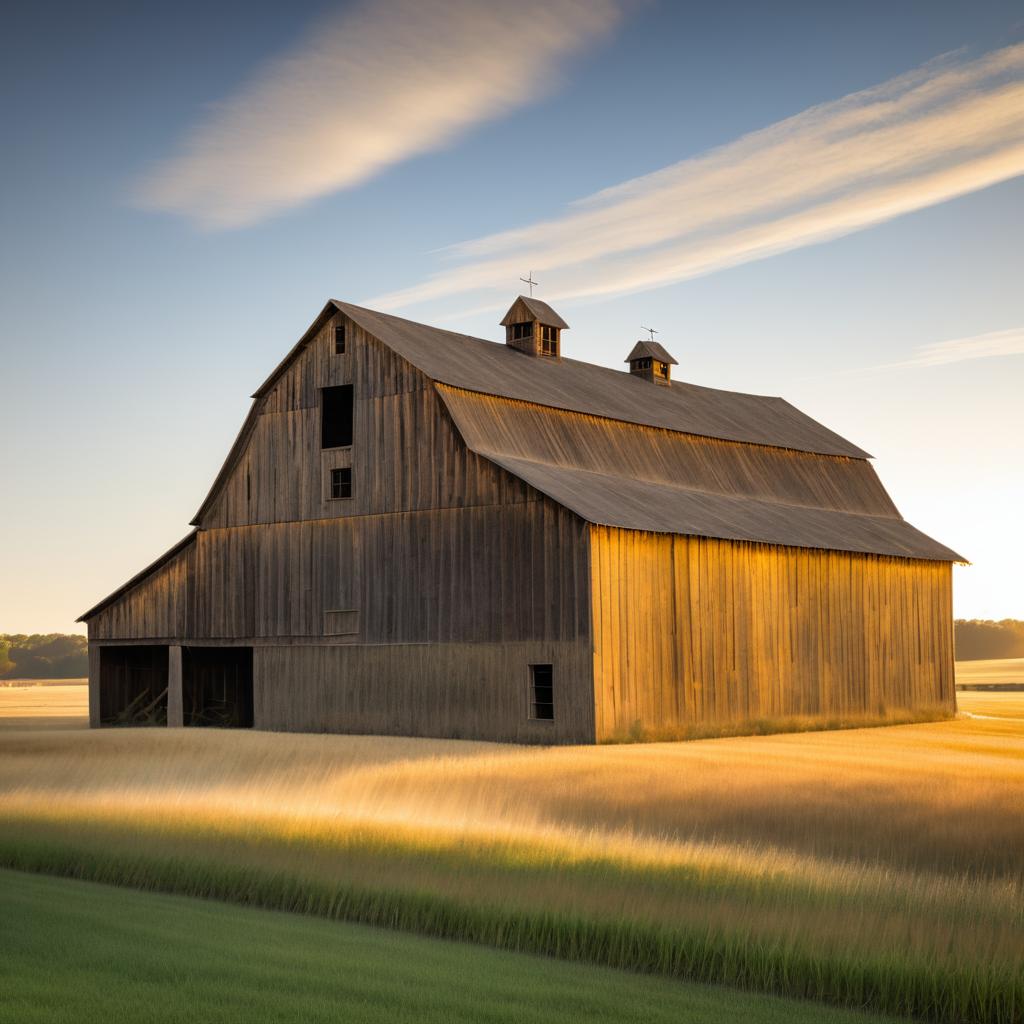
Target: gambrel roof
{"type": "Point", "coordinates": [718, 503]}
{"type": "Point", "coordinates": [810, 487]}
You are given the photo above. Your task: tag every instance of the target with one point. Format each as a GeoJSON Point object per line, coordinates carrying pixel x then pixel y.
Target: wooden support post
{"type": "Point", "coordinates": [175, 698]}
{"type": "Point", "coordinates": [94, 686]}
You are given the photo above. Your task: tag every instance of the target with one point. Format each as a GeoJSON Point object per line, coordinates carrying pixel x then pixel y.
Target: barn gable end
{"type": "Point", "coordinates": [404, 456]}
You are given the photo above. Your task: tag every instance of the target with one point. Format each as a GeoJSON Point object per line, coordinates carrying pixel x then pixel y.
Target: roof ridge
{"type": "Point", "coordinates": [547, 382]}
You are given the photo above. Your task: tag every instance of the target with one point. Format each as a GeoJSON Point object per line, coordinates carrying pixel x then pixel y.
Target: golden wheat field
{"type": "Point", "coordinates": [901, 845]}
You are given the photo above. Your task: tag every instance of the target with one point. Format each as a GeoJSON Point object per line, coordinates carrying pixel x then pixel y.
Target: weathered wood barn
{"type": "Point", "coordinates": [422, 533]}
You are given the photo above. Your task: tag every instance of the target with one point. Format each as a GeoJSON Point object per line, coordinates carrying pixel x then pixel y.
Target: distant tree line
{"type": "Point", "coordinates": [43, 656]}
{"type": "Point", "coordinates": [65, 656]}
{"type": "Point", "coordinates": [981, 638]}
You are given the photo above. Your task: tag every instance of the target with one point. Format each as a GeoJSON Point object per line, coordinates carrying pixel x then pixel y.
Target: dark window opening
{"type": "Point", "coordinates": [341, 483]}
{"type": "Point", "coordinates": [663, 369]}
{"type": "Point", "coordinates": [133, 685]}
{"type": "Point", "coordinates": [339, 339]}
{"type": "Point", "coordinates": [542, 698]}
{"type": "Point", "coordinates": [549, 341]}
{"type": "Point", "coordinates": [520, 331]}
{"type": "Point", "coordinates": [642, 364]}
{"type": "Point", "coordinates": [216, 686]}
{"type": "Point", "coordinates": [336, 416]}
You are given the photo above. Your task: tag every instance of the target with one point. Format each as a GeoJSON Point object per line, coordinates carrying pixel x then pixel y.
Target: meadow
{"type": "Point", "coordinates": [876, 869]}
{"type": "Point", "coordinates": [991, 672]}
{"type": "Point", "coordinates": [192, 959]}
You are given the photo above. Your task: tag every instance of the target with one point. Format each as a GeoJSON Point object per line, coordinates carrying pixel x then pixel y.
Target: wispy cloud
{"type": "Point", "coordinates": [946, 129]}
{"type": "Point", "coordinates": [365, 90]}
{"type": "Point", "coordinates": [960, 350]}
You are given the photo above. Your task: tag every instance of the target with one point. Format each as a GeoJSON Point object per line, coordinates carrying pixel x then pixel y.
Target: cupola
{"type": "Point", "coordinates": [650, 361]}
{"type": "Point", "coordinates": [533, 327]}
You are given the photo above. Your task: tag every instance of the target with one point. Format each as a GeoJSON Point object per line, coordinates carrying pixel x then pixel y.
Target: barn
{"type": "Point", "coordinates": [417, 532]}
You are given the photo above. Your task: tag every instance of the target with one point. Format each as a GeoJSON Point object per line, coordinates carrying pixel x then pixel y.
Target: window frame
{"type": "Point", "coordinates": [340, 339]}
{"type": "Point", "coordinates": [338, 476]}
{"type": "Point", "coordinates": [548, 340]}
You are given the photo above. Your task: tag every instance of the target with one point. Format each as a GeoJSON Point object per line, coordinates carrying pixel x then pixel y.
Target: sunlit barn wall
{"type": "Point", "coordinates": [690, 630]}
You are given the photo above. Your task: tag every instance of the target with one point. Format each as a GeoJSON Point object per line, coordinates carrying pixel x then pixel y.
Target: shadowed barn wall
{"type": "Point", "coordinates": [415, 606]}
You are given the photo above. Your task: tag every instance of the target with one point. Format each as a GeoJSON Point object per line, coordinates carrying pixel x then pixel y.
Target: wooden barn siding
{"type": "Point", "coordinates": [405, 452]}
{"type": "Point", "coordinates": [691, 630]}
{"type": "Point", "coordinates": [522, 430]}
{"type": "Point", "coordinates": [450, 690]}
{"type": "Point", "coordinates": [472, 575]}
{"type": "Point", "coordinates": [161, 606]}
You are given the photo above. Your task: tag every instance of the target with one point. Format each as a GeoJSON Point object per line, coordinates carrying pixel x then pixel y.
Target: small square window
{"type": "Point", "coordinates": [341, 483]}
{"type": "Point", "coordinates": [542, 694]}
{"type": "Point", "coordinates": [339, 339]}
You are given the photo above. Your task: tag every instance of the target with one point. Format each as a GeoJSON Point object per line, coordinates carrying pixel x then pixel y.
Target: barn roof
{"type": "Point", "coordinates": [636, 504]}
{"type": "Point", "coordinates": [841, 505]}
{"type": "Point", "coordinates": [644, 479]}
{"type": "Point", "coordinates": [498, 369]}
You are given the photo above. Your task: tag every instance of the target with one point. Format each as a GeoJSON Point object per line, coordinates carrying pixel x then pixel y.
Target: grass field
{"type": "Point", "coordinates": [7, 683]}
{"type": "Point", "coordinates": [53, 704]}
{"type": "Point", "coordinates": [185, 960]}
{"type": "Point", "coordinates": [878, 868]}
{"type": "Point", "coordinates": [999, 671]}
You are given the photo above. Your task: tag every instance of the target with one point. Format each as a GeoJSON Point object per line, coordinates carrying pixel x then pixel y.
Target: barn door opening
{"type": "Point", "coordinates": [216, 686]}
{"type": "Point", "coordinates": [133, 685]}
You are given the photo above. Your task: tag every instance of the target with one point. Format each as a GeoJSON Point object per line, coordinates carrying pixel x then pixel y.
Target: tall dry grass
{"type": "Point", "coordinates": [878, 867]}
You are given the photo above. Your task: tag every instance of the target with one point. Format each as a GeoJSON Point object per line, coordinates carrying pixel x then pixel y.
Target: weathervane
{"type": "Point", "coordinates": [529, 280]}
{"type": "Point", "coordinates": [652, 330]}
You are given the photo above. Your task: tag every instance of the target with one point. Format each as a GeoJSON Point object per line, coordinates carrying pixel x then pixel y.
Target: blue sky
{"type": "Point", "coordinates": [179, 200]}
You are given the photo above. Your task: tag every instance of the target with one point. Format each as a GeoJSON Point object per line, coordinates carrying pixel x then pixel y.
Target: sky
{"type": "Point", "coordinates": [818, 201]}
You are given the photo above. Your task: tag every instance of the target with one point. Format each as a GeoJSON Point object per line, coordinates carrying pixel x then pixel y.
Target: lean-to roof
{"type": "Point", "coordinates": [641, 478]}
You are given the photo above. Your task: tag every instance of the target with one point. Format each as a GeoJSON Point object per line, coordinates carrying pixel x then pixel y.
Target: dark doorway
{"type": "Point", "coordinates": [216, 686]}
{"type": "Point", "coordinates": [133, 685]}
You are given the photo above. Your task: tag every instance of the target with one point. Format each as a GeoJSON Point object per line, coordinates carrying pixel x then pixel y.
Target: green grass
{"type": "Point", "coordinates": [690, 952]}
{"type": "Point", "coordinates": [77, 951]}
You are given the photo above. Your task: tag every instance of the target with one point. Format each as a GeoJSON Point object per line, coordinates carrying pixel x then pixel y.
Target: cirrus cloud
{"type": "Point", "coordinates": [365, 90]}
{"type": "Point", "coordinates": [946, 129]}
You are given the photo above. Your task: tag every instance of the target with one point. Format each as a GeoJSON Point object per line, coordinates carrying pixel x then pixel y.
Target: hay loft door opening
{"type": "Point", "coordinates": [133, 685]}
{"type": "Point", "coordinates": [216, 686]}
